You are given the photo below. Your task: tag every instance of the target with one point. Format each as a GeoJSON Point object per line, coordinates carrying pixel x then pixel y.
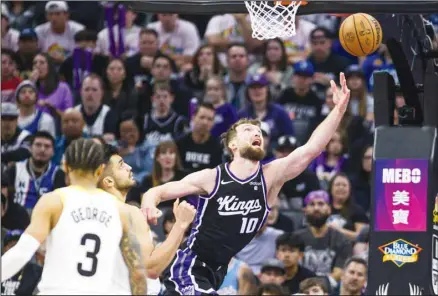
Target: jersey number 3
{"type": "Point", "coordinates": [92, 255]}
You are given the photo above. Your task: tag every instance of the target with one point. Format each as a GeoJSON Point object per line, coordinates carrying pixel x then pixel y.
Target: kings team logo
{"type": "Point", "coordinates": [400, 252]}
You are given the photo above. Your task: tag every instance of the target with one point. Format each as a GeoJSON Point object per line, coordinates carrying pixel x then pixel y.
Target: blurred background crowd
{"type": "Point", "coordinates": [162, 89]}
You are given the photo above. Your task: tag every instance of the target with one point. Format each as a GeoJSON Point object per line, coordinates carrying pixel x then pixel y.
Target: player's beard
{"type": "Point", "coordinates": [252, 153]}
{"type": "Point", "coordinates": [317, 221]}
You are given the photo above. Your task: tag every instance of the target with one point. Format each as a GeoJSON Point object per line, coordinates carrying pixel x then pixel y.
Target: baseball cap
{"type": "Point", "coordinates": [56, 6]}
{"type": "Point", "coordinates": [266, 130]}
{"type": "Point", "coordinates": [304, 68]}
{"type": "Point", "coordinates": [287, 143]}
{"type": "Point", "coordinates": [257, 79]}
{"type": "Point", "coordinates": [28, 34]}
{"type": "Point", "coordinates": [354, 70]}
{"type": "Point", "coordinates": [316, 194]}
{"type": "Point", "coordinates": [25, 83]}
{"type": "Point", "coordinates": [9, 110]}
{"type": "Point", "coordinates": [273, 264]}
{"type": "Point", "coordinates": [12, 235]}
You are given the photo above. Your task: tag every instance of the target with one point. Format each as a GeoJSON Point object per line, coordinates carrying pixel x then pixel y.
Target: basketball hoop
{"type": "Point", "coordinates": [273, 19]}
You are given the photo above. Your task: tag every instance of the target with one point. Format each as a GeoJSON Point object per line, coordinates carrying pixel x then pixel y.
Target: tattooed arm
{"type": "Point", "coordinates": [132, 255]}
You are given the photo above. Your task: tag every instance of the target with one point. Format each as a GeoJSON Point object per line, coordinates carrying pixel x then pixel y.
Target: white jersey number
{"type": "Point", "coordinates": [92, 255]}
{"type": "Point", "coordinates": [248, 226]}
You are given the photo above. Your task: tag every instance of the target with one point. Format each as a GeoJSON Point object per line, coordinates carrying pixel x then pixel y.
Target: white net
{"type": "Point", "coordinates": [272, 19]}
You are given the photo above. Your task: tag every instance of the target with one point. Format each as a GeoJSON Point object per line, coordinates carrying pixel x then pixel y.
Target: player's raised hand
{"type": "Point", "coordinates": [184, 213]}
{"type": "Point", "coordinates": [341, 96]}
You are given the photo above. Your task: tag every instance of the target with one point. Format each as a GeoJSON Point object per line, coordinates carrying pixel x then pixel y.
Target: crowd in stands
{"type": "Point", "coordinates": [162, 89]}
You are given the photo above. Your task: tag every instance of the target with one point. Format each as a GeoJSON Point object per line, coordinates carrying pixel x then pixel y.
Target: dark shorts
{"type": "Point", "coordinates": [187, 275]}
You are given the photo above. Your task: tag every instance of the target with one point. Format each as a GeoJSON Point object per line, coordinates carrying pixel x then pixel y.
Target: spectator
{"type": "Point", "coordinates": [167, 168]}
{"type": "Point", "coordinates": [130, 33]}
{"type": "Point", "coordinates": [26, 280]}
{"type": "Point", "coordinates": [361, 247]}
{"type": "Point", "coordinates": [272, 272]}
{"type": "Point", "coordinates": [274, 66]}
{"type": "Point", "coordinates": [178, 38]}
{"type": "Point", "coordinates": [361, 102]}
{"type": "Point", "coordinates": [271, 289]}
{"type": "Point", "coordinates": [301, 102]}
{"type": "Point", "coordinates": [10, 80]}
{"type": "Point", "coordinates": [30, 118]}
{"type": "Point", "coordinates": [239, 279]}
{"type": "Point", "coordinates": [119, 95]}
{"type": "Point", "coordinates": [313, 286]}
{"type": "Point", "coordinates": [289, 250]}
{"type": "Point", "coordinates": [72, 126]}
{"type": "Point", "coordinates": [362, 179]}
{"type": "Point", "coordinates": [328, 65]}
{"type": "Point", "coordinates": [9, 35]}
{"type": "Point", "coordinates": [54, 96]}
{"type": "Point", "coordinates": [354, 277]}
{"type": "Point", "coordinates": [261, 248]}
{"type": "Point", "coordinates": [346, 217]}
{"type": "Point", "coordinates": [294, 191]}
{"type": "Point", "coordinates": [136, 154]}
{"type": "Point", "coordinates": [379, 61]}
{"type": "Point", "coordinates": [15, 142]}
{"type": "Point", "coordinates": [226, 29]}
{"type": "Point", "coordinates": [14, 216]}
{"type": "Point", "coordinates": [27, 50]}
{"type": "Point", "coordinates": [333, 160]}
{"type": "Point", "coordinates": [163, 124]}
{"type": "Point", "coordinates": [298, 46]}
{"type": "Point", "coordinates": [99, 118]}
{"type": "Point", "coordinates": [21, 14]}
{"type": "Point", "coordinates": [326, 250]}
{"type": "Point", "coordinates": [263, 109]}
{"type": "Point", "coordinates": [198, 149]}
{"type": "Point", "coordinates": [266, 134]}
{"type": "Point", "coordinates": [226, 115]}
{"type": "Point", "coordinates": [278, 220]}
{"type": "Point", "coordinates": [205, 64]}
{"type": "Point", "coordinates": [56, 36]}
{"type": "Point", "coordinates": [84, 61]}
{"type": "Point", "coordinates": [35, 176]}
{"type": "Point", "coordinates": [237, 59]}
{"type": "Point", "coordinates": [139, 65]}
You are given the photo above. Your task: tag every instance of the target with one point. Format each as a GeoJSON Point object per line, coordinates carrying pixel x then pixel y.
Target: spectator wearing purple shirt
{"type": "Point", "coordinates": [54, 96]}
{"type": "Point", "coordinates": [263, 109]}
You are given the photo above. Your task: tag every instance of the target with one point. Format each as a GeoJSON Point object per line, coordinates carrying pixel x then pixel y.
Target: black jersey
{"type": "Point", "coordinates": [229, 218]}
{"type": "Point", "coordinates": [163, 129]}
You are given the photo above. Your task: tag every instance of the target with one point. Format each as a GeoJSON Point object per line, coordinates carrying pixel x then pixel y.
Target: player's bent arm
{"type": "Point", "coordinates": [295, 163]}
{"type": "Point", "coordinates": [36, 233]}
{"type": "Point", "coordinates": [201, 182]}
{"type": "Point", "coordinates": [247, 281]}
{"type": "Point", "coordinates": [132, 254]}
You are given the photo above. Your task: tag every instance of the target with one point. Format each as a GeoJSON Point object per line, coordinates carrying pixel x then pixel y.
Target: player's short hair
{"type": "Point", "coordinates": [312, 282]}
{"type": "Point", "coordinates": [230, 134]}
{"type": "Point", "coordinates": [108, 151]}
{"type": "Point", "coordinates": [84, 154]}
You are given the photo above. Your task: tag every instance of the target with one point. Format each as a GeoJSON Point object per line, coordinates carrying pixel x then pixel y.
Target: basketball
{"type": "Point", "coordinates": [360, 34]}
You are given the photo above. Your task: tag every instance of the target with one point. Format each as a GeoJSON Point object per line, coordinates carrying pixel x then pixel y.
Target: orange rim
{"type": "Point", "coordinates": [303, 3]}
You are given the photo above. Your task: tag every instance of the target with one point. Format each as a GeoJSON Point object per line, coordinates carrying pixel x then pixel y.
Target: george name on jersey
{"type": "Point", "coordinates": [91, 214]}
{"type": "Point", "coordinates": [230, 205]}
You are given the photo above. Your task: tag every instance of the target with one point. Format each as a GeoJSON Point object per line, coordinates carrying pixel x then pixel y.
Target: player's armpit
{"type": "Point", "coordinates": [132, 254]}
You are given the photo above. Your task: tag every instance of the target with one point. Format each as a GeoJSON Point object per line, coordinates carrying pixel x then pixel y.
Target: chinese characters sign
{"type": "Point", "coordinates": [401, 195]}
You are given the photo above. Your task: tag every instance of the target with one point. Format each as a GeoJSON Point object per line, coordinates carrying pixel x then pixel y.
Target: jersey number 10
{"type": "Point", "coordinates": [92, 255]}
{"type": "Point", "coordinates": [248, 226]}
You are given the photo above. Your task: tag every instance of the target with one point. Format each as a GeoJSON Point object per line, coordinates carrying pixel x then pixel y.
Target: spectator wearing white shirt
{"type": "Point", "coordinates": [30, 118]}
{"type": "Point", "coordinates": [131, 34]}
{"type": "Point", "coordinates": [9, 35]}
{"type": "Point", "coordinates": [298, 46]}
{"type": "Point", "coordinates": [226, 29]}
{"type": "Point", "coordinates": [56, 37]}
{"type": "Point", "coordinates": [178, 38]}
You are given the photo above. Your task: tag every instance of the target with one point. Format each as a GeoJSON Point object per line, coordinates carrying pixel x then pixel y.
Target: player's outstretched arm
{"type": "Point", "coordinates": [132, 254]}
{"type": "Point", "coordinates": [36, 233]}
{"type": "Point", "coordinates": [295, 163]}
{"type": "Point", "coordinates": [163, 255]}
{"type": "Point", "coordinates": [197, 183]}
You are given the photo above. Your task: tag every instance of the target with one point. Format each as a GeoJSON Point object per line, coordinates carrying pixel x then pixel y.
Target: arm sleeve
{"type": "Point", "coordinates": [15, 258]}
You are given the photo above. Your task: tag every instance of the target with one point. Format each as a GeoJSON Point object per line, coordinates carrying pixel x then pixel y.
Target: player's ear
{"type": "Point", "coordinates": [107, 182]}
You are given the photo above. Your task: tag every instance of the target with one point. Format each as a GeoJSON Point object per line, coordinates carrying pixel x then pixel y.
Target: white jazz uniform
{"type": "Point", "coordinates": [83, 253]}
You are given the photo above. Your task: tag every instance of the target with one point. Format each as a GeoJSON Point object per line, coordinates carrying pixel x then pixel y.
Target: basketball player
{"type": "Point", "coordinates": [117, 179]}
{"type": "Point", "coordinates": [91, 242]}
{"type": "Point", "coordinates": [234, 199]}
